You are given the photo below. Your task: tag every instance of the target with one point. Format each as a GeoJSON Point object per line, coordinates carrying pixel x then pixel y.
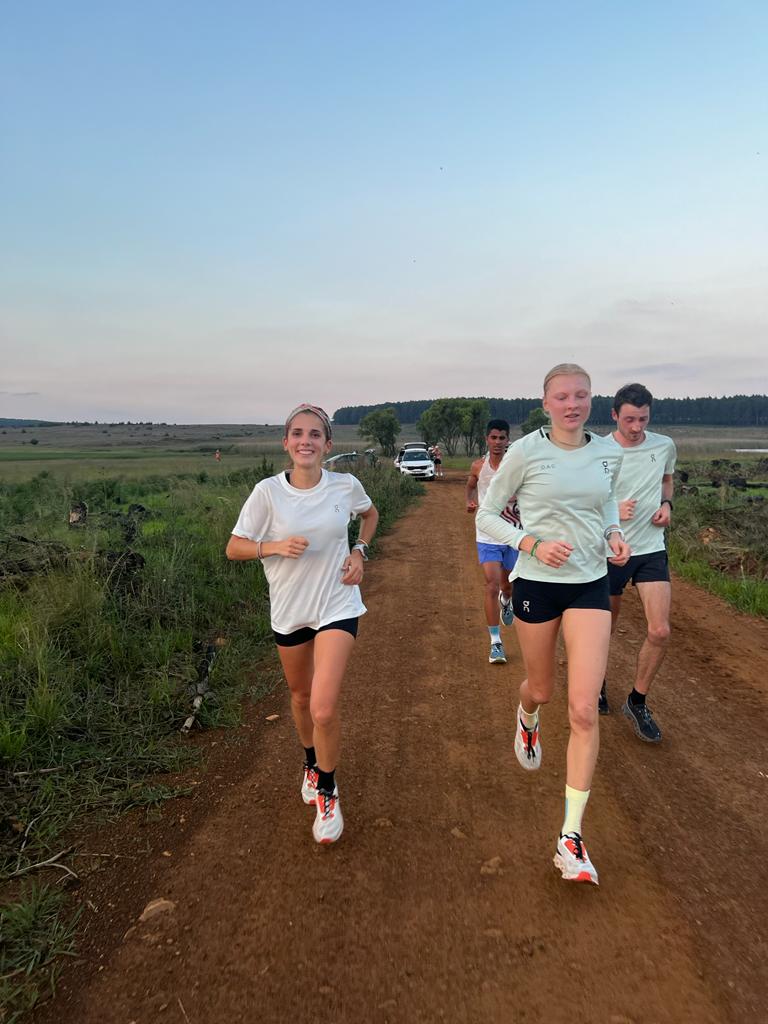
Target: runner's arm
{"type": "Point", "coordinates": [663, 515]}
{"type": "Point", "coordinates": [472, 480]}
{"type": "Point", "coordinates": [611, 517]}
{"type": "Point", "coordinates": [506, 480]}
{"type": "Point", "coordinates": [241, 549]}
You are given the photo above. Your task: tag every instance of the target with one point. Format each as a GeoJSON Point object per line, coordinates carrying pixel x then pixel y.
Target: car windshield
{"type": "Point", "coordinates": [414, 455]}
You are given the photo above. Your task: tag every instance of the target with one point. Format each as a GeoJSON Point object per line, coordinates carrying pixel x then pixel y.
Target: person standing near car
{"type": "Point", "coordinates": [295, 523]}
{"type": "Point", "coordinates": [563, 476]}
{"type": "Point", "coordinates": [437, 458]}
{"type": "Point", "coordinates": [497, 560]}
{"type": "Point", "coordinates": [644, 489]}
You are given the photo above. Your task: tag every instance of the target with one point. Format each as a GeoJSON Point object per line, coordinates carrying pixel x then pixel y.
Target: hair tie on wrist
{"type": "Point", "coordinates": [535, 545]}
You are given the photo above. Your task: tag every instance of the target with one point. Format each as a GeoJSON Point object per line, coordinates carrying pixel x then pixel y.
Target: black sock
{"type": "Point", "coordinates": [309, 757]}
{"type": "Point", "coordinates": [636, 698]}
{"type": "Point", "coordinates": [325, 780]}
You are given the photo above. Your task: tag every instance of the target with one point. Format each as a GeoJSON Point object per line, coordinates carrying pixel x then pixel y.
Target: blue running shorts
{"type": "Point", "coordinates": [497, 553]}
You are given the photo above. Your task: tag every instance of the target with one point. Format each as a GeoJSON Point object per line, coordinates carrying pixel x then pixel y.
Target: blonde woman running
{"type": "Point", "coordinates": [296, 524]}
{"type": "Point", "coordinates": [563, 477]}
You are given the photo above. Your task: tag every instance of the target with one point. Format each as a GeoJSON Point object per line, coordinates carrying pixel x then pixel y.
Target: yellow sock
{"type": "Point", "coordinates": [575, 802]}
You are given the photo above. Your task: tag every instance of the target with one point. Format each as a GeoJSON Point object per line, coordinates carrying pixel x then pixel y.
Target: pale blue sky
{"type": "Point", "coordinates": [213, 211]}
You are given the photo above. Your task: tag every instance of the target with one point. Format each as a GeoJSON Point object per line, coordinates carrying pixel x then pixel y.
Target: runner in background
{"type": "Point", "coordinates": [644, 489]}
{"type": "Point", "coordinates": [497, 560]}
{"type": "Point", "coordinates": [296, 523]}
{"type": "Point", "coordinates": [563, 477]}
{"type": "Point", "coordinates": [437, 458]}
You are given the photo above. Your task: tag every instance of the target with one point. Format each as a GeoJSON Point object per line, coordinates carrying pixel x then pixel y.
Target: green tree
{"type": "Point", "coordinates": [381, 426]}
{"type": "Point", "coordinates": [474, 417]}
{"type": "Point", "coordinates": [536, 418]}
{"type": "Point", "coordinates": [442, 422]}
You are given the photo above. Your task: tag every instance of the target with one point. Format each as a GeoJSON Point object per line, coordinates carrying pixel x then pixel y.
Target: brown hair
{"type": "Point", "coordinates": [321, 414]}
{"type": "Point", "coordinates": [564, 368]}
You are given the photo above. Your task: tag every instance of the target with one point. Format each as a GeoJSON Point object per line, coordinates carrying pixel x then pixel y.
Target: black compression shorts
{"type": "Point", "coordinates": [653, 568]}
{"type": "Point", "coordinates": [541, 601]}
{"type": "Point", "coordinates": [301, 636]}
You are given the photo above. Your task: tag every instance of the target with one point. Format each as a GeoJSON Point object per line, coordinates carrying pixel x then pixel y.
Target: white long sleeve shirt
{"type": "Point", "coordinates": [565, 495]}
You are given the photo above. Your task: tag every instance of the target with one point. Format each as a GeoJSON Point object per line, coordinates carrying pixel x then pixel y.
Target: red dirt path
{"type": "Point", "coordinates": [397, 923]}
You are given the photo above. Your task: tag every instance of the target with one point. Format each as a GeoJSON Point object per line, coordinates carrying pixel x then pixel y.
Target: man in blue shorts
{"type": "Point", "coordinates": [644, 490]}
{"type": "Point", "coordinates": [497, 560]}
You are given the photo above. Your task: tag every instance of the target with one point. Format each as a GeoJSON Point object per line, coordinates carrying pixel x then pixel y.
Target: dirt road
{"type": "Point", "coordinates": [441, 903]}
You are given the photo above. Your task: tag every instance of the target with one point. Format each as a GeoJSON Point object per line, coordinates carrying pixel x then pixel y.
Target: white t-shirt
{"type": "Point", "coordinates": [306, 591]}
{"type": "Point", "coordinates": [563, 495]}
{"type": "Point", "coordinates": [511, 512]}
{"type": "Point", "coordinates": [640, 477]}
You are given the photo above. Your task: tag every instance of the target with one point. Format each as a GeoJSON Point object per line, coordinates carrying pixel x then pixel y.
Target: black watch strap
{"type": "Point", "coordinates": [666, 501]}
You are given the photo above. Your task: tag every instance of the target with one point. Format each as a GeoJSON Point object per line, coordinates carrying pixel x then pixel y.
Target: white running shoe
{"type": "Point", "coordinates": [329, 824]}
{"type": "Point", "coordinates": [527, 744]}
{"type": "Point", "coordinates": [505, 611]}
{"type": "Point", "coordinates": [572, 859]}
{"type": "Point", "coordinates": [309, 785]}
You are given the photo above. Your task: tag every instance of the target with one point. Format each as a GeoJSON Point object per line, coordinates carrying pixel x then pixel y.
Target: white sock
{"type": "Point", "coordinates": [495, 634]}
{"type": "Point", "coordinates": [529, 718]}
{"type": "Point", "coordinates": [575, 802]}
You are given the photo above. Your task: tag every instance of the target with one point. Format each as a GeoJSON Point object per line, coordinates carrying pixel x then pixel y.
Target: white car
{"type": "Point", "coordinates": [417, 462]}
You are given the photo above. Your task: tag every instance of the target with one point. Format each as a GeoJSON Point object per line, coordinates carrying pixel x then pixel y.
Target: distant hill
{"type": "Point", "coordinates": [733, 411]}
{"type": "Point", "coordinates": [29, 423]}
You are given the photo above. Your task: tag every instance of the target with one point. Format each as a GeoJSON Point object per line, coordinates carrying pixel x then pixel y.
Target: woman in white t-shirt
{"type": "Point", "coordinates": [564, 479]}
{"type": "Point", "coordinates": [296, 524]}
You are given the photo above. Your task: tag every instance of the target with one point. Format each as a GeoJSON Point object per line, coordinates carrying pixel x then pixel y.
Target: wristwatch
{"type": "Point", "coordinates": [666, 501]}
{"type": "Point", "coordinates": [362, 547]}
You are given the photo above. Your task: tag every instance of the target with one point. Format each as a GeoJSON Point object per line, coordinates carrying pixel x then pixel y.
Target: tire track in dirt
{"type": "Point", "coordinates": [399, 923]}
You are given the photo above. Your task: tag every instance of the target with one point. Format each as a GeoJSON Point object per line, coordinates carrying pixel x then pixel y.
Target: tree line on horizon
{"type": "Point", "coordinates": [728, 411]}
{"type": "Point", "coordinates": [447, 422]}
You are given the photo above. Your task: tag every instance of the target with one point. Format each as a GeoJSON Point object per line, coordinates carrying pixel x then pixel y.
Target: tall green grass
{"type": "Point", "coordinates": [34, 934]}
{"type": "Point", "coordinates": [719, 540]}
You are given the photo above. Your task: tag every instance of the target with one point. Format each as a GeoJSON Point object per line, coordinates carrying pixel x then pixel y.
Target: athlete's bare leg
{"type": "Point", "coordinates": [495, 581]}
{"type": "Point", "coordinates": [656, 598]}
{"type": "Point", "coordinates": [587, 634]}
{"type": "Point", "coordinates": [299, 665]}
{"type": "Point", "coordinates": [333, 648]}
{"type": "Point", "coordinates": [538, 641]}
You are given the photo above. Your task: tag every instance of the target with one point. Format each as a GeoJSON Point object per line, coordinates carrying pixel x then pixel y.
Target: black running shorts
{"type": "Point", "coordinates": [301, 636]}
{"type": "Point", "coordinates": [539, 601]}
{"type": "Point", "coordinates": [653, 568]}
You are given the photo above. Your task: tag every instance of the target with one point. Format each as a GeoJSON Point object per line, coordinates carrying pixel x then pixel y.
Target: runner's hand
{"type": "Point", "coordinates": [352, 569]}
{"type": "Point", "coordinates": [662, 516]}
{"type": "Point", "coordinates": [293, 547]}
{"type": "Point", "coordinates": [627, 509]}
{"type": "Point", "coordinates": [621, 550]}
{"type": "Point", "coordinates": [553, 552]}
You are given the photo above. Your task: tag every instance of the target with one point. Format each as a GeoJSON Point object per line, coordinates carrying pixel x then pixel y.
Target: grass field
{"type": "Point", "coordinates": [77, 453]}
